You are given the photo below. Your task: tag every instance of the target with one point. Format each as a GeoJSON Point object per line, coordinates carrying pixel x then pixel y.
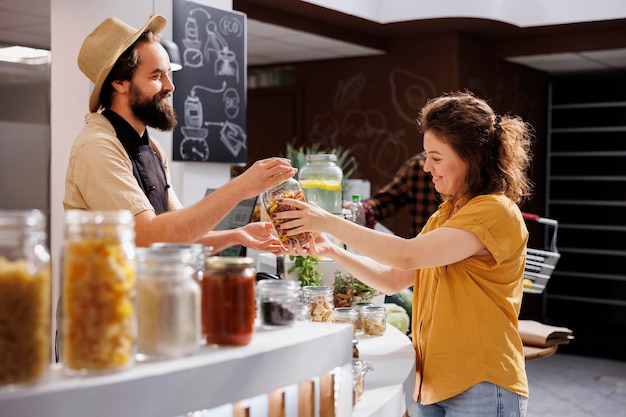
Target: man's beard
{"type": "Point", "coordinates": [156, 112]}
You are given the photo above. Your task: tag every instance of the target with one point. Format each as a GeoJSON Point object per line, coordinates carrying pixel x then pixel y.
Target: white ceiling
{"type": "Point", "coordinates": [26, 22]}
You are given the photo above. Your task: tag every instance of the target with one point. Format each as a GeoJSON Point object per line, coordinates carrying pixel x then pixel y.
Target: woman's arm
{"type": "Point", "coordinates": [385, 279]}
{"type": "Point", "coordinates": [443, 246]}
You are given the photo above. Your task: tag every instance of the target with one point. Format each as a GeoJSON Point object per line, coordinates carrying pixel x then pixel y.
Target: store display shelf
{"type": "Point", "coordinates": [211, 378]}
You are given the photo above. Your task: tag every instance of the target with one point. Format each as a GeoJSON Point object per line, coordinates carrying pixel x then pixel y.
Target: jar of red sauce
{"type": "Point", "coordinates": [228, 300]}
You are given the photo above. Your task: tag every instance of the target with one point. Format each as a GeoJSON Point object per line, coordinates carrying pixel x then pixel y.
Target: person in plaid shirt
{"type": "Point", "coordinates": [411, 186]}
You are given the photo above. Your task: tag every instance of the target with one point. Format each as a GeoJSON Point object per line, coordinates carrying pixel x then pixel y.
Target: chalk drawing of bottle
{"type": "Point", "coordinates": [192, 55]}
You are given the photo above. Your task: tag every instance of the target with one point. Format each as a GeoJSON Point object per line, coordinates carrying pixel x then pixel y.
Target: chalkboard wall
{"type": "Point", "coordinates": [210, 95]}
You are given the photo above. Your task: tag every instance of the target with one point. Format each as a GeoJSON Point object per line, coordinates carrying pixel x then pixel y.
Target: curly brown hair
{"type": "Point", "coordinates": [496, 149]}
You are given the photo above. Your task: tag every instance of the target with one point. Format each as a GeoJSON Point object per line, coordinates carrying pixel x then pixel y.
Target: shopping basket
{"type": "Point", "coordinates": [540, 263]}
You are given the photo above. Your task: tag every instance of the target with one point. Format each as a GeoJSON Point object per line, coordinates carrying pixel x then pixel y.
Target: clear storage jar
{"type": "Point", "coordinates": [358, 307]}
{"type": "Point", "coordinates": [346, 315]}
{"type": "Point", "coordinates": [24, 298]}
{"type": "Point", "coordinates": [374, 320]}
{"type": "Point", "coordinates": [320, 299]}
{"type": "Point", "coordinates": [322, 181]}
{"type": "Point", "coordinates": [277, 302]}
{"type": "Point", "coordinates": [168, 302]}
{"type": "Point", "coordinates": [98, 293]}
{"type": "Point", "coordinates": [269, 201]}
{"type": "Point", "coordinates": [228, 309]}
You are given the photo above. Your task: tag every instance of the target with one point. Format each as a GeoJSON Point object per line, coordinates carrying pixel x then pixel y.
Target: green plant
{"type": "Point", "coordinates": [306, 268]}
{"type": "Point", "coordinates": [345, 161]}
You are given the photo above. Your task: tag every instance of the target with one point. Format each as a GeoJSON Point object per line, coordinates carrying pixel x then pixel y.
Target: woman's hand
{"type": "Point", "coordinates": [306, 217]}
{"type": "Point", "coordinates": [317, 247]}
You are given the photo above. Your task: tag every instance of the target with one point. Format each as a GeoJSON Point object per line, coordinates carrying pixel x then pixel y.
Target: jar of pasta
{"type": "Point", "coordinates": [321, 301]}
{"type": "Point", "coordinates": [24, 298]}
{"type": "Point", "coordinates": [168, 301]}
{"type": "Point", "coordinates": [374, 320]}
{"type": "Point", "coordinates": [228, 296]}
{"type": "Point", "coordinates": [98, 291]}
{"type": "Point", "coordinates": [270, 201]}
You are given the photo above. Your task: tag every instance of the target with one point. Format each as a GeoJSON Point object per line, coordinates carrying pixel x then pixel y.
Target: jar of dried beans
{"type": "Point", "coordinates": [98, 291]}
{"type": "Point", "coordinates": [24, 298]}
{"type": "Point", "coordinates": [228, 296]}
{"type": "Point", "coordinates": [277, 302]}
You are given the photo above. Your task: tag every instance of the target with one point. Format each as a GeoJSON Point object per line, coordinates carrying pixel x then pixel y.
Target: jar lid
{"type": "Point", "coordinates": [22, 218]}
{"type": "Point", "coordinates": [317, 289]}
{"type": "Point", "coordinates": [321, 157]}
{"type": "Point", "coordinates": [279, 283]}
{"type": "Point", "coordinates": [113, 217]}
{"type": "Point", "coordinates": [373, 309]}
{"type": "Point", "coordinates": [229, 262]}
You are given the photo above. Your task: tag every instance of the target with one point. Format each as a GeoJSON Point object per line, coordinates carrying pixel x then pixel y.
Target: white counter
{"type": "Point", "coordinates": [389, 387]}
{"type": "Point", "coordinates": [215, 377]}
{"type": "Point", "coordinates": [209, 379]}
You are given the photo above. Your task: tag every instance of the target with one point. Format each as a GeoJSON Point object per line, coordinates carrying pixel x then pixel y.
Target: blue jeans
{"type": "Point", "coordinates": [482, 400]}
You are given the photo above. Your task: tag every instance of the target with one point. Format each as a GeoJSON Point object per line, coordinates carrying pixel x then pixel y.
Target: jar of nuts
{"type": "Point", "coordinates": [321, 301]}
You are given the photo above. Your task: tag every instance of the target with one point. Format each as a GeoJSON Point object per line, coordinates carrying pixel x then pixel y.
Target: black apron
{"type": "Point", "coordinates": [148, 168]}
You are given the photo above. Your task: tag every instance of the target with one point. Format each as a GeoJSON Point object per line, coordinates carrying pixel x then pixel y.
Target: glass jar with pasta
{"type": "Point", "coordinates": [24, 298]}
{"type": "Point", "coordinates": [98, 291]}
{"type": "Point", "coordinates": [271, 202]}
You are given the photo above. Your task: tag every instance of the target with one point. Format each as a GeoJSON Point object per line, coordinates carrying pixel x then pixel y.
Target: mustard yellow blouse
{"type": "Point", "coordinates": [465, 314]}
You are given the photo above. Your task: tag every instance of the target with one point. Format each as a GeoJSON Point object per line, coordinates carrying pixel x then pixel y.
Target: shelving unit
{"type": "Point", "coordinates": [586, 193]}
{"type": "Point", "coordinates": [210, 379]}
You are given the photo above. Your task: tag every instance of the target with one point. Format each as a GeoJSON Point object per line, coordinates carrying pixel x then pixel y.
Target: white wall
{"type": "Point", "coordinates": [71, 22]}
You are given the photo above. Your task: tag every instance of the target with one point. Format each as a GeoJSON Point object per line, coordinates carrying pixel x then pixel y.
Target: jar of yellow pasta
{"type": "Point", "coordinates": [24, 298]}
{"type": "Point", "coordinates": [98, 291]}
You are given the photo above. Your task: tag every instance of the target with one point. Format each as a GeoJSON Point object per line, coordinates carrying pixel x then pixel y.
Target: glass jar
{"type": "Point", "coordinates": [346, 315]}
{"type": "Point", "coordinates": [269, 201]}
{"type": "Point", "coordinates": [321, 179]}
{"type": "Point", "coordinates": [276, 302]}
{"type": "Point", "coordinates": [168, 301]}
{"type": "Point", "coordinates": [374, 320]}
{"type": "Point", "coordinates": [359, 369]}
{"type": "Point", "coordinates": [358, 307]}
{"type": "Point", "coordinates": [321, 301]}
{"type": "Point", "coordinates": [228, 308]}
{"type": "Point", "coordinates": [198, 252]}
{"type": "Point", "coordinates": [24, 298]}
{"type": "Point", "coordinates": [98, 291]}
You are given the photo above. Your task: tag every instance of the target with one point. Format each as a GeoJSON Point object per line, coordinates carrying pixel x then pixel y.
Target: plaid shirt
{"type": "Point", "coordinates": [410, 186]}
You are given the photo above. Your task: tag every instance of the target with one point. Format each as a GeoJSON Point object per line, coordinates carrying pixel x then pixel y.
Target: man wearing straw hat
{"type": "Point", "coordinates": [114, 163]}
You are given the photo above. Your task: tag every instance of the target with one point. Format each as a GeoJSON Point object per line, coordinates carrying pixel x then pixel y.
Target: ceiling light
{"type": "Point", "coordinates": [25, 55]}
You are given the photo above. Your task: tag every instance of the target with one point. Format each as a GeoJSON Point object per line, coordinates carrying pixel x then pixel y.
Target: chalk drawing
{"type": "Point", "coordinates": [409, 92]}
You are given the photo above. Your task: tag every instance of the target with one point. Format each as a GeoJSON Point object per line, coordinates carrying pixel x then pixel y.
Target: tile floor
{"type": "Point", "coordinates": [564, 385]}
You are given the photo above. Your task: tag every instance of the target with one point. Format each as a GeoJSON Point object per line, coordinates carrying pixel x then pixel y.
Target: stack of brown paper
{"type": "Point", "coordinates": [542, 335]}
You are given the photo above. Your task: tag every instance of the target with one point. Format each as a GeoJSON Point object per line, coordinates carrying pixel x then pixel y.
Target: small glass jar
{"type": "Point", "coordinates": [374, 320]}
{"type": "Point", "coordinates": [358, 307]}
{"type": "Point", "coordinates": [168, 302]}
{"type": "Point", "coordinates": [269, 201]}
{"type": "Point", "coordinates": [359, 369]}
{"type": "Point", "coordinates": [98, 291]}
{"type": "Point", "coordinates": [346, 315]}
{"type": "Point", "coordinates": [24, 298]}
{"type": "Point", "coordinates": [198, 252]}
{"type": "Point", "coordinates": [321, 179]}
{"type": "Point", "coordinates": [228, 302]}
{"type": "Point", "coordinates": [276, 302]}
{"type": "Point", "coordinates": [321, 302]}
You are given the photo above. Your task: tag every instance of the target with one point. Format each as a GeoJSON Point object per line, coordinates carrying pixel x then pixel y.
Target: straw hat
{"type": "Point", "coordinates": [102, 48]}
